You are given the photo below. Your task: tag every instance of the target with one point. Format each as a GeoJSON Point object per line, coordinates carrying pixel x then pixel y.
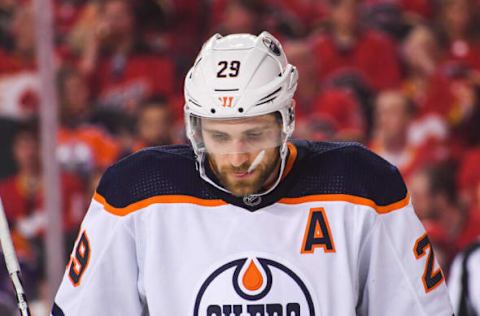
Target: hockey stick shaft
{"type": "Point", "coordinates": [12, 263]}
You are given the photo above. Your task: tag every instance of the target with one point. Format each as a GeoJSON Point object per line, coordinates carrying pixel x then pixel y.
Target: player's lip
{"type": "Point", "coordinates": [241, 174]}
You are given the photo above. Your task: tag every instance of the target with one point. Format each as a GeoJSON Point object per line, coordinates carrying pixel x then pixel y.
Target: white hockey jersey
{"type": "Point", "coordinates": [338, 236]}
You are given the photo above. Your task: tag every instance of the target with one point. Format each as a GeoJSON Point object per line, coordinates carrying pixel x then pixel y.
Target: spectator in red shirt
{"type": "Point", "coordinates": [452, 215]}
{"type": "Point", "coordinates": [392, 119]}
{"type": "Point", "coordinates": [454, 95]}
{"type": "Point", "coordinates": [327, 112]}
{"type": "Point", "coordinates": [392, 116]}
{"type": "Point", "coordinates": [155, 123]}
{"type": "Point", "coordinates": [22, 55]}
{"type": "Point", "coordinates": [18, 77]}
{"type": "Point", "coordinates": [340, 107]}
{"type": "Point", "coordinates": [19, 193]}
{"type": "Point", "coordinates": [154, 126]}
{"type": "Point", "coordinates": [122, 71]}
{"type": "Point", "coordinates": [460, 30]}
{"type": "Point", "coordinates": [347, 45]}
{"type": "Point", "coordinates": [421, 55]}
{"type": "Point", "coordinates": [301, 55]}
{"type": "Point", "coordinates": [393, 113]}
{"type": "Point", "coordinates": [22, 197]}
{"type": "Point", "coordinates": [22, 193]}
{"type": "Point", "coordinates": [335, 115]}
{"type": "Point", "coordinates": [460, 226]}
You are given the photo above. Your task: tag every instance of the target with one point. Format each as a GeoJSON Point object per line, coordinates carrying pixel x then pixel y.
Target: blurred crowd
{"type": "Point", "coordinates": [400, 76]}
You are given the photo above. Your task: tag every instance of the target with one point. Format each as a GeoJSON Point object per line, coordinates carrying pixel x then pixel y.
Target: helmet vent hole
{"type": "Point", "coordinates": [240, 110]}
{"type": "Point", "coordinates": [213, 111]}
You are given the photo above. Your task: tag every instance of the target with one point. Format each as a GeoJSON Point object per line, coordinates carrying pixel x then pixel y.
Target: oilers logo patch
{"type": "Point", "coordinates": [251, 287]}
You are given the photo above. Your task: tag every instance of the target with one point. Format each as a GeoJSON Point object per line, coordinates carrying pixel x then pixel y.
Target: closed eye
{"type": "Point", "coordinates": [254, 135]}
{"type": "Point", "coordinates": [220, 137]}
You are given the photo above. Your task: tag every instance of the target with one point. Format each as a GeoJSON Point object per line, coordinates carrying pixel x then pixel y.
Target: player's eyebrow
{"type": "Point", "coordinates": [211, 131]}
{"type": "Point", "coordinates": [253, 129]}
{"type": "Point", "coordinates": [259, 127]}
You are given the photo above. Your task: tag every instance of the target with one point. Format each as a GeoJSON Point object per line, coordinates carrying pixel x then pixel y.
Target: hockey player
{"type": "Point", "coordinates": [244, 222]}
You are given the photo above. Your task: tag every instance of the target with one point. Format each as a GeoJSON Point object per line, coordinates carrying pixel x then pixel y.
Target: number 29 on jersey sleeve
{"type": "Point", "coordinates": [79, 259]}
{"type": "Point", "coordinates": [431, 278]}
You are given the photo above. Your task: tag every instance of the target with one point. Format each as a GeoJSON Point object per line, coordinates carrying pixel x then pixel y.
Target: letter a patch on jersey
{"type": "Point", "coordinates": [317, 232]}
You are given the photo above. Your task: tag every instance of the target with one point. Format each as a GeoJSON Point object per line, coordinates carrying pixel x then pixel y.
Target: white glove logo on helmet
{"type": "Point", "coordinates": [226, 101]}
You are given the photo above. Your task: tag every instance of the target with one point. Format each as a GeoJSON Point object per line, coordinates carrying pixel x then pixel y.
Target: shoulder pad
{"type": "Point", "coordinates": [165, 170]}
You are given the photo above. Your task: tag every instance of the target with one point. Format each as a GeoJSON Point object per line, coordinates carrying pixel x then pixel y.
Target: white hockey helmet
{"type": "Point", "coordinates": [239, 76]}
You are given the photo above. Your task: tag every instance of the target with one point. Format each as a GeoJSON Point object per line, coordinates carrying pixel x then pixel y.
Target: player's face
{"type": "Point", "coordinates": [233, 145]}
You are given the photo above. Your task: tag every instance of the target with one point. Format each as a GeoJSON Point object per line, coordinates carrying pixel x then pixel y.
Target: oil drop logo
{"type": "Point", "coordinates": [253, 286]}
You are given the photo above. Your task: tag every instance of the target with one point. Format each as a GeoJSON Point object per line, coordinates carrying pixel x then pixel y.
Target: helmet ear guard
{"type": "Point", "coordinates": [239, 76]}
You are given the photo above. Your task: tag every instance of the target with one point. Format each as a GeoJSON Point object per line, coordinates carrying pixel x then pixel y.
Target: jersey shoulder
{"type": "Point", "coordinates": [165, 170]}
{"type": "Point", "coordinates": [347, 168]}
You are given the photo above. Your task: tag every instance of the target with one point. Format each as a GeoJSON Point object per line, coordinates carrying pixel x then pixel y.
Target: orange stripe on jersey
{"type": "Point", "coordinates": [348, 198]}
{"type": "Point", "coordinates": [291, 159]}
{"type": "Point", "coordinates": [162, 199]}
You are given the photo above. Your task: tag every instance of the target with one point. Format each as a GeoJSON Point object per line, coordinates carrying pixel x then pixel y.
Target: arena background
{"type": "Point", "coordinates": [85, 83]}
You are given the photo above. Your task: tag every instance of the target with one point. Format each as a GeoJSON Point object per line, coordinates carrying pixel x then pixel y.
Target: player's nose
{"type": "Point", "coordinates": [239, 158]}
{"type": "Point", "coordinates": [238, 153]}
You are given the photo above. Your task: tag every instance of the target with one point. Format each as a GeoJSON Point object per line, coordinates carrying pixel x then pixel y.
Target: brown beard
{"type": "Point", "coordinates": [246, 187]}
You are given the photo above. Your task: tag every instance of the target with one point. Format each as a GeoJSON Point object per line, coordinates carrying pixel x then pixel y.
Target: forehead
{"type": "Point", "coordinates": [239, 124]}
{"type": "Point", "coordinates": [391, 100]}
{"type": "Point", "coordinates": [153, 109]}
